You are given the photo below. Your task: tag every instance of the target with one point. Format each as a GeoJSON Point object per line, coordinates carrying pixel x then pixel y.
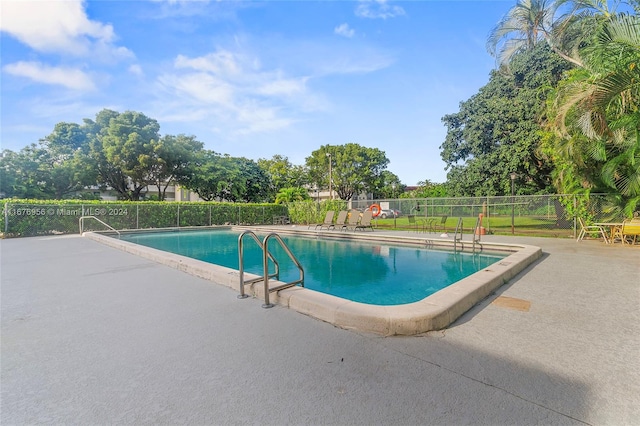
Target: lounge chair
{"type": "Point", "coordinates": [328, 221]}
{"type": "Point", "coordinates": [591, 229]}
{"type": "Point", "coordinates": [341, 219]}
{"type": "Point", "coordinates": [365, 221]}
{"type": "Point", "coordinates": [354, 219]}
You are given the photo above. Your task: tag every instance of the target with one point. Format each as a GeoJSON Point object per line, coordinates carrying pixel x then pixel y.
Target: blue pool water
{"type": "Point", "coordinates": [366, 272]}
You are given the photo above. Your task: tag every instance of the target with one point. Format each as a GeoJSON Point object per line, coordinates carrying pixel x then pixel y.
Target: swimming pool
{"type": "Point", "coordinates": [361, 271]}
{"type": "Point", "coordinates": [433, 312]}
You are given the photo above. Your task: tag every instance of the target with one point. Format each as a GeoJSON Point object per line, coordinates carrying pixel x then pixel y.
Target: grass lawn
{"type": "Point", "coordinates": [498, 225]}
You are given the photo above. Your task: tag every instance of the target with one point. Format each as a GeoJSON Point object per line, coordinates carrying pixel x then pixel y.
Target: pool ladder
{"type": "Point", "coordinates": [475, 235]}
{"type": "Point", "coordinates": [266, 256]}
{"type": "Point", "coordinates": [81, 224]}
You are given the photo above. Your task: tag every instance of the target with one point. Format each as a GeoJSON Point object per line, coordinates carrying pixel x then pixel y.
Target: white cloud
{"type": "Point", "coordinates": [344, 30]}
{"type": "Point", "coordinates": [283, 87]}
{"type": "Point", "coordinates": [136, 69]}
{"type": "Point", "coordinates": [235, 92]}
{"type": "Point", "coordinates": [378, 9]}
{"type": "Point", "coordinates": [70, 78]}
{"type": "Point", "coordinates": [59, 26]}
{"type": "Point", "coordinates": [200, 87]}
{"type": "Point", "coordinates": [221, 62]}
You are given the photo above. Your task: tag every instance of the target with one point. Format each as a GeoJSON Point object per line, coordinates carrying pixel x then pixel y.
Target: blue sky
{"type": "Point", "coordinates": [251, 79]}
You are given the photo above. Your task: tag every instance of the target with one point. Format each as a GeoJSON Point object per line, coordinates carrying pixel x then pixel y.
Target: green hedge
{"type": "Point", "coordinates": [306, 212]}
{"type": "Point", "coordinates": [21, 218]}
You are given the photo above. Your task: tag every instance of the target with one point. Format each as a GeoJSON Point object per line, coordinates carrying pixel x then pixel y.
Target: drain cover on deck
{"type": "Point", "coordinates": [512, 303]}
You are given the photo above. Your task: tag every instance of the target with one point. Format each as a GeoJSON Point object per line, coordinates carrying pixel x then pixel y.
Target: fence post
{"type": "Point", "coordinates": [137, 216]}
{"type": "Point", "coordinates": [178, 215]}
{"type": "Point", "coordinates": [6, 219]}
{"type": "Point", "coordinates": [575, 209]}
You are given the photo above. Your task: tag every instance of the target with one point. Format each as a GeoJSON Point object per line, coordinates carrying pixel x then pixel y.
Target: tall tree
{"type": "Point", "coordinates": [128, 143]}
{"type": "Point", "coordinates": [562, 24]}
{"type": "Point", "coordinates": [110, 174]}
{"type": "Point", "coordinates": [283, 174]}
{"type": "Point", "coordinates": [226, 178]}
{"type": "Point", "coordinates": [251, 184]}
{"type": "Point", "coordinates": [24, 173]}
{"type": "Point", "coordinates": [497, 131]}
{"type": "Point", "coordinates": [208, 176]}
{"type": "Point", "coordinates": [388, 185]}
{"type": "Point", "coordinates": [525, 25]}
{"type": "Point", "coordinates": [354, 168]}
{"type": "Point", "coordinates": [129, 154]}
{"type": "Point", "coordinates": [68, 165]}
{"type": "Point", "coordinates": [173, 158]}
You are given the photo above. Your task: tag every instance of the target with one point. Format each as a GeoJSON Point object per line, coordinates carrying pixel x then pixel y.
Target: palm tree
{"type": "Point", "coordinates": [529, 22]}
{"type": "Point", "coordinates": [560, 23]}
{"type": "Point", "coordinates": [597, 110]}
{"type": "Point", "coordinates": [287, 195]}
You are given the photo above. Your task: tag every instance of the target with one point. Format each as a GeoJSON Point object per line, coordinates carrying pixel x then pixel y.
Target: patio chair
{"type": "Point", "coordinates": [341, 219]}
{"type": "Point", "coordinates": [352, 222]}
{"type": "Point", "coordinates": [630, 231]}
{"type": "Point", "coordinates": [442, 225]}
{"type": "Point", "coordinates": [365, 221]}
{"type": "Point", "coordinates": [591, 229]}
{"type": "Point", "coordinates": [328, 220]}
{"type": "Point", "coordinates": [416, 222]}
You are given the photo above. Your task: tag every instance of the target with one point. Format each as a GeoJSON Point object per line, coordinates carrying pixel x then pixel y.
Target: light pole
{"type": "Point", "coordinates": [513, 206]}
{"type": "Point", "coordinates": [330, 177]}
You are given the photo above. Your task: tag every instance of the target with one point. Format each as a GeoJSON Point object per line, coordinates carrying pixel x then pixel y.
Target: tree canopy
{"type": "Point", "coordinates": [126, 153]}
{"type": "Point", "coordinates": [497, 131]}
{"type": "Point", "coordinates": [283, 174]}
{"type": "Point", "coordinates": [562, 110]}
{"type": "Point", "coordinates": [354, 168]}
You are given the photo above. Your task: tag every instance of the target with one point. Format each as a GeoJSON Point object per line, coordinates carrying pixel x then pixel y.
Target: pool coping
{"type": "Point", "coordinates": [434, 312]}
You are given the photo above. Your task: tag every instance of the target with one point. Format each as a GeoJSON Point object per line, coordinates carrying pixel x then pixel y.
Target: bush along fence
{"type": "Point", "coordinates": [22, 218]}
{"type": "Point", "coordinates": [311, 212]}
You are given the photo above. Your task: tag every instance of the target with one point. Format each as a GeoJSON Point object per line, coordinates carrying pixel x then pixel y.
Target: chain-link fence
{"type": "Point", "coordinates": [39, 218]}
{"type": "Point", "coordinates": [542, 215]}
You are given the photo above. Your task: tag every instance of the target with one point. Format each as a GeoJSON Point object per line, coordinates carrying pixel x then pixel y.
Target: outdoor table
{"type": "Point", "coordinates": [612, 228]}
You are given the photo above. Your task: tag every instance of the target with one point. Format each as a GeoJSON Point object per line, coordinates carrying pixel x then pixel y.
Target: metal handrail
{"type": "Point", "coordinates": [81, 222]}
{"type": "Point", "coordinates": [457, 238]}
{"type": "Point", "coordinates": [265, 265]}
{"type": "Point", "coordinates": [242, 294]}
{"type": "Point", "coordinates": [477, 233]}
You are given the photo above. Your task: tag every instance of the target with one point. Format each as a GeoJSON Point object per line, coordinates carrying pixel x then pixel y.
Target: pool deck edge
{"type": "Point", "coordinates": [432, 313]}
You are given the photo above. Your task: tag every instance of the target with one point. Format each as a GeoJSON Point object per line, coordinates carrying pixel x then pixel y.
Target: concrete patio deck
{"type": "Point", "coordinates": [93, 335]}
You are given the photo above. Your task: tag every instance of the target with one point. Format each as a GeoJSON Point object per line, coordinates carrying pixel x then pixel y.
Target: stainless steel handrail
{"type": "Point", "coordinates": [81, 222]}
{"type": "Point", "coordinates": [242, 294]}
{"type": "Point", "coordinates": [265, 265]}
{"type": "Point", "coordinates": [477, 234]}
{"type": "Point", "coordinates": [457, 238]}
